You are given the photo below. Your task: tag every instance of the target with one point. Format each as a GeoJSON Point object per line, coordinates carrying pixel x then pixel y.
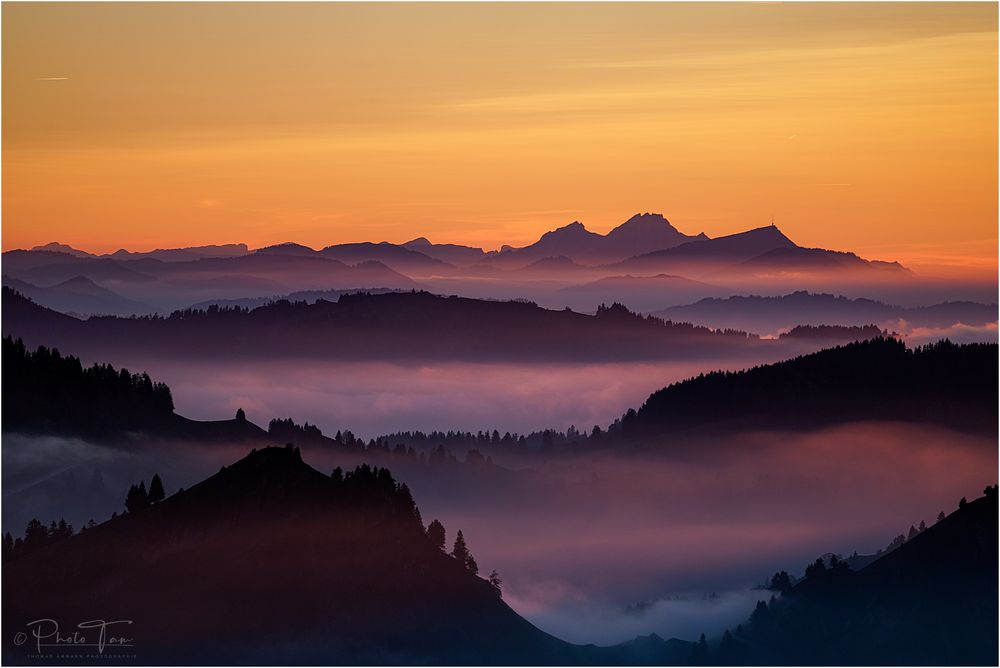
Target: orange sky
{"type": "Point", "coordinates": [865, 127]}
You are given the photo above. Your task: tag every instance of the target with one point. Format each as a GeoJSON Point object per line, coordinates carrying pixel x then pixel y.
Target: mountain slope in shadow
{"type": "Point", "coordinates": [272, 562]}
{"type": "Point", "coordinates": [876, 379]}
{"type": "Point", "coordinates": [932, 601]}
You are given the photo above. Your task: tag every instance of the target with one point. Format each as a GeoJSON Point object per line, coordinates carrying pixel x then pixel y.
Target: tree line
{"type": "Point", "coordinates": [54, 393]}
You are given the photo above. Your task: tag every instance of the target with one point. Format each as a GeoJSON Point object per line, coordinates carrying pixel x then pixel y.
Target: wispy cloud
{"type": "Point", "coordinates": [52, 79]}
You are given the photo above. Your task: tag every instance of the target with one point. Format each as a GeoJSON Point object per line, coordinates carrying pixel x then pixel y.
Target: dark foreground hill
{"type": "Point", "coordinates": [877, 379]}
{"type": "Point", "coordinates": [932, 601]}
{"type": "Point", "coordinates": [272, 562]}
{"type": "Point", "coordinates": [408, 325]}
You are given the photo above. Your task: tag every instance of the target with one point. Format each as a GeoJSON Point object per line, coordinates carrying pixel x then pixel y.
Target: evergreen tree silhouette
{"type": "Point", "coordinates": [699, 652]}
{"type": "Point", "coordinates": [241, 415]}
{"type": "Point", "coordinates": [156, 492]}
{"type": "Point", "coordinates": [436, 532]}
{"type": "Point", "coordinates": [35, 535]}
{"type": "Point", "coordinates": [461, 553]}
{"type": "Point", "coordinates": [137, 498]}
{"type": "Point", "coordinates": [781, 581]}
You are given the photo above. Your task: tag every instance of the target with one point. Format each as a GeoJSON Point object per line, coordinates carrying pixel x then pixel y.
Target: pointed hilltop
{"type": "Point", "coordinates": [294, 567]}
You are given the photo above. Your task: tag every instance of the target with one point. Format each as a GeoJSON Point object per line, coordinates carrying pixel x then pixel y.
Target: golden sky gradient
{"type": "Point", "coordinates": [865, 127]}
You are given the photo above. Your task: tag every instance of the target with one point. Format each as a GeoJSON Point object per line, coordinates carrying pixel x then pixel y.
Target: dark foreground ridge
{"type": "Point", "coordinates": [932, 601]}
{"type": "Point", "coordinates": [272, 562]}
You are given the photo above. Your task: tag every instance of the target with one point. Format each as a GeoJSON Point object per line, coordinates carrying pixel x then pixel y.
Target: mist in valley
{"type": "Point", "coordinates": [599, 547]}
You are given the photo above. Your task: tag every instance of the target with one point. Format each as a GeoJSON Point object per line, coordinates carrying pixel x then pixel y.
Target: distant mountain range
{"type": "Point", "coordinates": [646, 241]}
{"type": "Point", "coordinates": [642, 233]}
{"type": "Point", "coordinates": [164, 254]}
{"type": "Point", "coordinates": [79, 296]}
{"type": "Point", "coordinates": [771, 314]}
{"type": "Point", "coordinates": [644, 263]}
{"type": "Point", "coordinates": [757, 253]}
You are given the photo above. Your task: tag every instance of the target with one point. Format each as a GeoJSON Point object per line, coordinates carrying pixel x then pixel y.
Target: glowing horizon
{"type": "Point", "coordinates": [868, 128]}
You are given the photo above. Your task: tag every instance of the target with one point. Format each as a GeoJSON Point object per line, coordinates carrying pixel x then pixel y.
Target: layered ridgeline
{"type": "Point", "coordinates": [878, 379]}
{"type": "Point", "coordinates": [395, 325]}
{"type": "Point", "coordinates": [645, 239]}
{"type": "Point", "coordinates": [272, 562]}
{"type": "Point", "coordinates": [646, 246]}
{"type": "Point", "coordinates": [931, 601]}
{"type": "Point", "coordinates": [770, 314]}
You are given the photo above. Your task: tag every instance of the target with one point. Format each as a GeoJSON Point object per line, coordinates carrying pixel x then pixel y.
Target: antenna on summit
{"type": "Point", "coordinates": [772, 220]}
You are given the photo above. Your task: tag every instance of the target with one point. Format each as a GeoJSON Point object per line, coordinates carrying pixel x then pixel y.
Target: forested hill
{"type": "Point", "coordinates": [932, 601]}
{"type": "Point", "coordinates": [877, 379]}
{"type": "Point", "coordinates": [48, 393]}
{"type": "Point", "coordinates": [343, 573]}
{"type": "Point", "coordinates": [406, 325]}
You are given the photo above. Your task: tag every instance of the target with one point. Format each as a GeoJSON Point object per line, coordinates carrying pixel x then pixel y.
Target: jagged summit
{"type": "Point", "coordinates": [576, 228]}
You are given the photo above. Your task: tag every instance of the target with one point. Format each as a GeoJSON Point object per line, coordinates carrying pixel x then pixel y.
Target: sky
{"type": "Point", "coordinates": [862, 127]}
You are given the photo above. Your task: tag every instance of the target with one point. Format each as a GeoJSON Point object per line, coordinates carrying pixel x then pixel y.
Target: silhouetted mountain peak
{"type": "Point", "coordinates": [644, 221]}
{"type": "Point", "coordinates": [288, 248]}
{"type": "Point", "coordinates": [574, 229]}
{"type": "Point", "coordinates": [57, 247]}
{"type": "Point", "coordinates": [555, 262]}
{"type": "Point", "coordinates": [77, 282]}
{"type": "Point", "coordinates": [419, 241]}
{"type": "Point", "coordinates": [769, 232]}
{"type": "Point", "coordinates": [266, 472]}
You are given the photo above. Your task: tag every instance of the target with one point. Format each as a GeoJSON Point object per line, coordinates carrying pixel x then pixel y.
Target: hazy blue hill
{"type": "Point", "coordinates": [795, 259]}
{"type": "Point", "coordinates": [79, 296]}
{"type": "Point", "coordinates": [768, 314]}
{"type": "Point", "coordinates": [453, 254]}
{"type": "Point", "coordinates": [399, 258]}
